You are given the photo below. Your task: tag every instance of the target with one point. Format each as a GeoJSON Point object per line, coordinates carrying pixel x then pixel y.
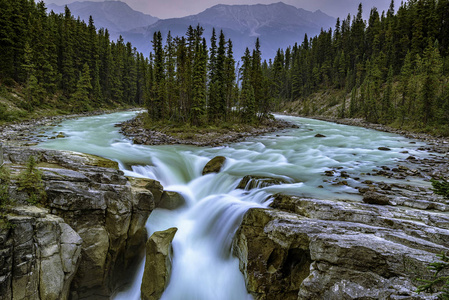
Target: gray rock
{"type": "Point", "coordinates": [250, 182]}
{"type": "Point", "coordinates": [35, 255]}
{"type": "Point", "coordinates": [157, 264]}
{"type": "Point", "coordinates": [214, 165]}
{"type": "Point", "coordinates": [99, 231]}
{"type": "Point", "coordinates": [371, 197]}
{"type": "Point", "coordinates": [171, 200]}
{"type": "Point", "coordinates": [322, 249]}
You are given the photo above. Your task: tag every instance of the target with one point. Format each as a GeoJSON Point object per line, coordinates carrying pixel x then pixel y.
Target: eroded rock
{"type": "Point", "coordinates": [250, 182]}
{"type": "Point", "coordinates": [40, 255]}
{"type": "Point", "coordinates": [371, 197]}
{"type": "Point", "coordinates": [171, 200]}
{"type": "Point", "coordinates": [157, 264]}
{"type": "Point", "coordinates": [214, 165]}
{"type": "Point", "coordinates": [322, 249]}
{"type": "Point", "coordinates": [100, 205]}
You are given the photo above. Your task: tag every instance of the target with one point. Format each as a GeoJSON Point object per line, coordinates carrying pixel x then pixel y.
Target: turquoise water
{"type": "Point", "coordinates": [203, 267]}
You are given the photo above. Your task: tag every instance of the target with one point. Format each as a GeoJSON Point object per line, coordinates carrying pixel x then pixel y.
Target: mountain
{"type": "Point", "coordinates": [116, 16]}
{"type": "Point", "coordinates": [277, 25]}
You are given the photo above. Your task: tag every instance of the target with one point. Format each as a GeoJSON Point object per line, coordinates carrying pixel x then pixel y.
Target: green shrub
{"type": "Point", "coordinates": [5, 180]}
{"type": "Point", "coordinates": [440, 187]}
{"type": "Point", "coordinates": [440, 281]}
{"type": "Point", "coordinates": [4, 185]}
{"type": "Point", "coordinates": [30, 181]}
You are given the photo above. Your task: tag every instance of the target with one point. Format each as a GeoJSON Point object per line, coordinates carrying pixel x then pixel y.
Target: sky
{"type": "Point", "coordinates": [164, 9]}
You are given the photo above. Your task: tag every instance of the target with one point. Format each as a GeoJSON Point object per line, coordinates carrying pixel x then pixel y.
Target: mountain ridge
{"type": "Point", "coordinates": [278, 25]}
{"type": "Point", "coordinates": [116, 16]}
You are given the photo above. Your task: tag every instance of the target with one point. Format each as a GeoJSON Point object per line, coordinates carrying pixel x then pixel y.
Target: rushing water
{"type": "Point", "coordinates": [203, 267]}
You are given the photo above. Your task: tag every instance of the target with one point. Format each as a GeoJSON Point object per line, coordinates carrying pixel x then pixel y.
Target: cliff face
{"type": "Point", "coordinates": [318, 249]}
{"type": "Point", "coordinates": [80, 243]}
{"type": "Point", "coordinates": [40, 254]}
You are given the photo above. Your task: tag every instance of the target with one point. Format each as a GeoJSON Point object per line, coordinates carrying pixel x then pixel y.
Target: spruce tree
{"type": "Point", "coordinates": [80, 98]}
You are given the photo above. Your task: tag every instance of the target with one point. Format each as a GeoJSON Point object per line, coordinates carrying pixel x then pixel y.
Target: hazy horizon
{"type": "Point", "coordinates": [177, 8]}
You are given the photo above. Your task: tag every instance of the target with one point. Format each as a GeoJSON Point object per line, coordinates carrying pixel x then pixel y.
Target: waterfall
{"type": "Point", "coordinates": [203, 265]}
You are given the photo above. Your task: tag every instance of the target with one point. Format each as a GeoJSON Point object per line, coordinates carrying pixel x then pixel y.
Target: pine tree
{"type": "Point", "coordinates": [80, 98]}
{"type": "Point", "coordinates": [387, 99]}
{"type": "Point", "coordinates": [247, 98]}
{"type": "Point", "coordinates": [229, 78]}
{"type": "Point", "coordinates": [170, 67]}
{"type": "Point", "coordinates": [406, 74]}
{"type": "Point", "coordinates": [432, 64]}
{"type": "Point", "coordinates": [157, 103]}
{"type": "Point", "coordinates": [34, 94]}
{"type": "Point", "coordinates": [199, 84]}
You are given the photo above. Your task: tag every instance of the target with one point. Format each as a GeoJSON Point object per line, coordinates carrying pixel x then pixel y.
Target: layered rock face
{"type": "Point", "coordinates": [92, 198]}
{"type": "Point", "coordinates": [321, 249]}
{"type": "Point", "coordinates": [40, 254]}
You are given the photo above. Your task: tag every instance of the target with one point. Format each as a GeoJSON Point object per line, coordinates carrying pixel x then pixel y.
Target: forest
{"type": "Point", "coordinates": [58, 62]}
{"type": "Point", "coordinates": [391, 69]}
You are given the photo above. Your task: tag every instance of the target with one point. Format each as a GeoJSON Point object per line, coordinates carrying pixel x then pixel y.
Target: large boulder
{"type": "Point", "coordinates": [214, 165]}
{"type": "Point", "coordinates": [322, 249]}
{"type": "Point", "coordinates": [158, 264]}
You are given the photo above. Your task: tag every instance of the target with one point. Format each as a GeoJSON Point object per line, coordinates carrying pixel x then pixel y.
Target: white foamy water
{"type": "Point", "coordinates": [203, 267]}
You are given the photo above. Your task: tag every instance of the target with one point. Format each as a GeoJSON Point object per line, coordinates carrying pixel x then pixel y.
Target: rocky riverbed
{"type": "Point", "coordinates": [299, 248]}
{"type": "Point", "coordinates": [31, 132]}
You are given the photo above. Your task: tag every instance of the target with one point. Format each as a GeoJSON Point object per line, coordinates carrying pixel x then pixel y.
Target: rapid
{"type": "Point", "coordinates": [203, 265]}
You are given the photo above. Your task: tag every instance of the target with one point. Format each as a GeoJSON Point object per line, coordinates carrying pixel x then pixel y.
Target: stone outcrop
{"type": "Point", "coordinates": [40, 255]}
{"type": "Point", "coordinates": [214, 165]}
{"type": "Point", "coordinates": [250, 182]}
{"type": "Point", "coordinates": [108, 212]}
{"type": "Point", "coordinates": [158, 261]}
{"type": "Point", "coordinates": [321, 249]}
{"type": "Point", "coordinates": [371, 197]}
{"type": "Point", "coordinates": [171, 200]}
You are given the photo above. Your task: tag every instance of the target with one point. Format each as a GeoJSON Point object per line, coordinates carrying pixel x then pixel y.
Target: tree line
{"type": "Point", "coordinates": [394, 66]}
{"type": "Point", "coordinates": [62, 62]}
{"type": "Point", "coordinates": [65, 63]}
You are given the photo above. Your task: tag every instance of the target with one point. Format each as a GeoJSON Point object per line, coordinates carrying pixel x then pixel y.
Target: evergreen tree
{"type": "Point", "coordinates": [83, 88]}
{"type": "Point", "coordinates": [247, 98]}
{"type": "Point", "coordinates": [157, 103]}
{"type": "Point", "coordinates": [229, 78]}
{"type": "Point", "coordinates": [199, 83]}
{"type": "Point", "coordinates": [170, 67]}
{"type": "Point", "coordinates": [431, 76]}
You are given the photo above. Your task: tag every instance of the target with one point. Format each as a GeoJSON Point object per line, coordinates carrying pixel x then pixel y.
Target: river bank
{"type": "Point", "coordinates": [435, 143]}
{"type": "Point", "coordinates": [31, 132]}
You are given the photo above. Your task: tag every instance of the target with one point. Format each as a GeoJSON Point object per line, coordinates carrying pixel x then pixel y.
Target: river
{"type": "Point", "coordinates": [203, 267]}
